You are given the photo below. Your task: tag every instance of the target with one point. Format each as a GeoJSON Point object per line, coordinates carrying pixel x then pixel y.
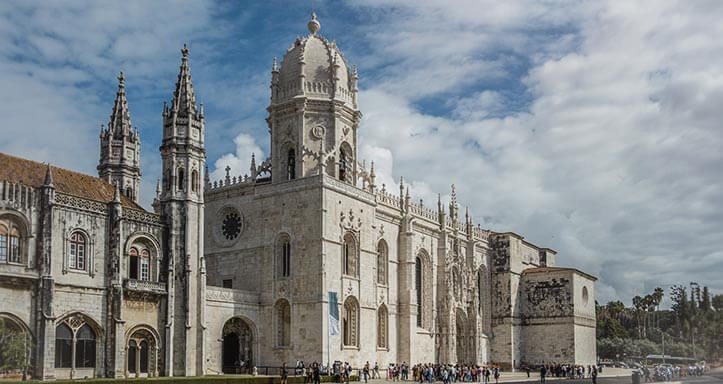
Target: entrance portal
{"type": "Point", "coordinates": [237, 346]}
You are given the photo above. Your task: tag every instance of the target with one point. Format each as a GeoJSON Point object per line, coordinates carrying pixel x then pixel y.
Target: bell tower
{"type": "Point", "coordinates": [120, 148]}
{"type": "Point", "coordinates": [181, 205]}
{"type": "Point", "coordinates": [313, 115]}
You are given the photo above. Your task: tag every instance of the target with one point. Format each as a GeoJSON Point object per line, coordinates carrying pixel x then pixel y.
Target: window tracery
{"type": "Point", "coordinates": [351, 322]}
{"type": "Point", "coordinates": [382, 327]}
{"type": "Point", "coordinates": [382, 254]}
{"type": "Point", "coordinates": [349, 255]}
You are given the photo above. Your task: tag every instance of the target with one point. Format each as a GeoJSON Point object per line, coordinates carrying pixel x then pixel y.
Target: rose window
{"type": "Point", "coordinates": [231, 226]}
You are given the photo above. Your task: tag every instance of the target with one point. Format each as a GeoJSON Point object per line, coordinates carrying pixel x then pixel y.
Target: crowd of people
{"type": "Point", "coordinates": [669, 372]}
{"type": "Point", "coordinates": [454, 373]}
{"type": "Point", "coordinates": [567, 370]}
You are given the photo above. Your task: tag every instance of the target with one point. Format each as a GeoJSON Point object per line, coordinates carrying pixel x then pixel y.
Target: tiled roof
{"type": "Point", "coordinates": [557, 269]}
{"type": "Point", "coordinates": [32, 173]}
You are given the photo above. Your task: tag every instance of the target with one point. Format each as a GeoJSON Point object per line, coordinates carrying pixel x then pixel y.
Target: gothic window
{"type": "Point", "coordinates": [283, 258]}
{"type": "Point", "coordinates": [10, 242]}
{"type": "Point", "coordinates": [129, 192]}
{"type": "Point", "coordinates": [418, 275]}
{"type": "Point", "coordinates": [283, 323]}
{"type": "Point", "coordinates": [63, 346]}
{"type": "Point", "coordinates": [85, 348]}
{"type": "Point", "coordinates": [382, 253]}
{"type": "Point", "coordinates": [77, 253]}
{"type": "Point", "coordinates": [181, 180]}
{"type": "Point", "coordinates": [351, 322]}
{"type": "Point", "coordinates": [382, 327]}
{"type": "Point", "coordinates": [75, 344]}
{"type": "Point", "coordinates": [140, 262]}
{"type": "Point", "coordinates": [349, 255]}
{"type": "Point", "coordinates": [194, 180]}
{"type": "Point", "coordinates": [291, 165]}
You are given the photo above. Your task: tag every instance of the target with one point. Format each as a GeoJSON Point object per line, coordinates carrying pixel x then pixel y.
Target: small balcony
{"type": "Point", "coordinates": [144, 287]}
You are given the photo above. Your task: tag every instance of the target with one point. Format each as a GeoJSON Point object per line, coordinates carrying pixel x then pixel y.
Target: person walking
{"type": "Point", "coordinates": [284, 374]}
{"type": "Point", "coordinates": [593, 374]}
{"type": "Point", "coordinates": [497, 375]}
{"type": "Point", "coordinates": [375, 374]}
{"type": "Point", "coordinates": [543, 372]}
{"type": "Point", "coordinates": [365, 371]}
{"type": "Point", "coordinates": [316, 374]}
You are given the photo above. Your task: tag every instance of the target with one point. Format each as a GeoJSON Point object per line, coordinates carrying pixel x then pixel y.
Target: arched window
{"type": "Point", "coordinates": [194, 180]}
{"type": "Point", "coordinates": [382, 327]}
{"type": "Point", "coordinates": [343, 166]}
{"type": "Point", "coordinates": [349, 255]}
{"type": "Point", "coordinates": [145, 265]}
{"type": "Point", "coordinates": [181, 180]}
{"type": "Point", "coordinates": [291, 165]}
{"type": "Point", "coordinates": [140, 261]}
{"type": "Point", "coordinates": [283, 257]}
{"type": "Point", "coordinates": [85, 347]}
{"type": "Point", "coordinates": [418, 275]}
{"type": "Point", "coordinates": [283, 323]}
{"type": "Point", "coordinates": [129, 192]}
{"type": "Point", "coordinates": [63, 346]}
{"type": "Point", "coordinates": [77, 253]}
{"type": "Point", "coordinates": [382, 262]}
{"type": "Point", "coordinates": [10, 242]}
{"type": "Point", "coordinates": [75, 344]}
{"type": "Point", "coordinates": [351, 322]}
{"type": "Point", "coordinates": [133, 264]}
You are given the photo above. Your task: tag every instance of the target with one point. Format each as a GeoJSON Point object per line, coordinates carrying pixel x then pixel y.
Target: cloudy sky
{"type": "Point", "coordinates": [593, 128]}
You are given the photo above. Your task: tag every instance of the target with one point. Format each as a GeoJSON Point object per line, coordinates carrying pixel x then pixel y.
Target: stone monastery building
{"type": "Point", "coordinates": [242, 272]}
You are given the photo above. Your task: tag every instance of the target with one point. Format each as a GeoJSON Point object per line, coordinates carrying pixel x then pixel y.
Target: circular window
{"type": "Point", "coordinates": [231, 226]}
{"type": "Point", "coordinates": [584, 295]}
{"type": "Point", "coordinates": [228, 226]}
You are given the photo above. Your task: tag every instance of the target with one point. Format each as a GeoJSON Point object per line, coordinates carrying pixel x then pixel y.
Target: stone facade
{"type": "Point", "coordinates": [239, 272]}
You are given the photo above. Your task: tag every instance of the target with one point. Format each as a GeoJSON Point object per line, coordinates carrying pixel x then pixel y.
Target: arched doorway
{"type": "Point", "coordinates": [142, 353]}
{"type": "Point", "coordinates": [237, 346]}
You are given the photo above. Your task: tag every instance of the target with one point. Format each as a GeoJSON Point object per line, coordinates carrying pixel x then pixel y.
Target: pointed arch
{"type": "Point", "coordinates": [382, 327]}
{"type": "Point", "coordinates": [350, 255]}
{"type": "Point", "coordinates": [283, 255]}
{"type": "Point", "coordinates": [76, 341]}
{"type": "Point", "coordinates": [346, 162]}
{"type": "Point", "coordinates": [350, 322]}
{"type": "Point", "coordinates": [282, 312]}
{"type": "Point", "coordinates": [382, 262]}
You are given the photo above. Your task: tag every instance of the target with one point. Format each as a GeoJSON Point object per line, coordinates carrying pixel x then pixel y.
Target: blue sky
{"type": "Point", "coordinates": [592, 128]}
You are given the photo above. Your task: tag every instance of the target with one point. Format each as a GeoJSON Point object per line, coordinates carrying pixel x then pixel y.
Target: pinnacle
{"type": "Point", "coordinates": [184, 100]}
{"type": "Point", "coordinates": [120, 118]}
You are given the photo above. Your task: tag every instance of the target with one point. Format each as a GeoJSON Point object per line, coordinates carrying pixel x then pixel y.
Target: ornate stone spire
{"type": "Point", "coordinates": [48, 177]}
{"type": "Point", "coordinates": [314, 25]}
{"type": "Point", "coordinates": [184, 100]}
{"type": "Point", "coordinates": [120, 119]}
{"type": "Point", "coordinates": [120, 147]}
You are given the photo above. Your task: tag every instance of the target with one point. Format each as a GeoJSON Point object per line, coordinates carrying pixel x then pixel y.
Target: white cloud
{"type": "Point", "coordinates": [616, 162]}
{"type": "Point", "coordinates": [240, 161]}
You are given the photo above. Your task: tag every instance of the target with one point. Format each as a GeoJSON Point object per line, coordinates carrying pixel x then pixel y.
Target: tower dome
{"type": "Point", "coordinates": [314, 67]}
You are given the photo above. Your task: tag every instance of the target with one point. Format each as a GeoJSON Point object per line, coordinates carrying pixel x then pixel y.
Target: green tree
{"type": "Point", "coordinates": [718, 302]}
{"type": "Point", "coordinates": [706, 300]}
{"type": "Point", "coordinates": [14, 347]}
